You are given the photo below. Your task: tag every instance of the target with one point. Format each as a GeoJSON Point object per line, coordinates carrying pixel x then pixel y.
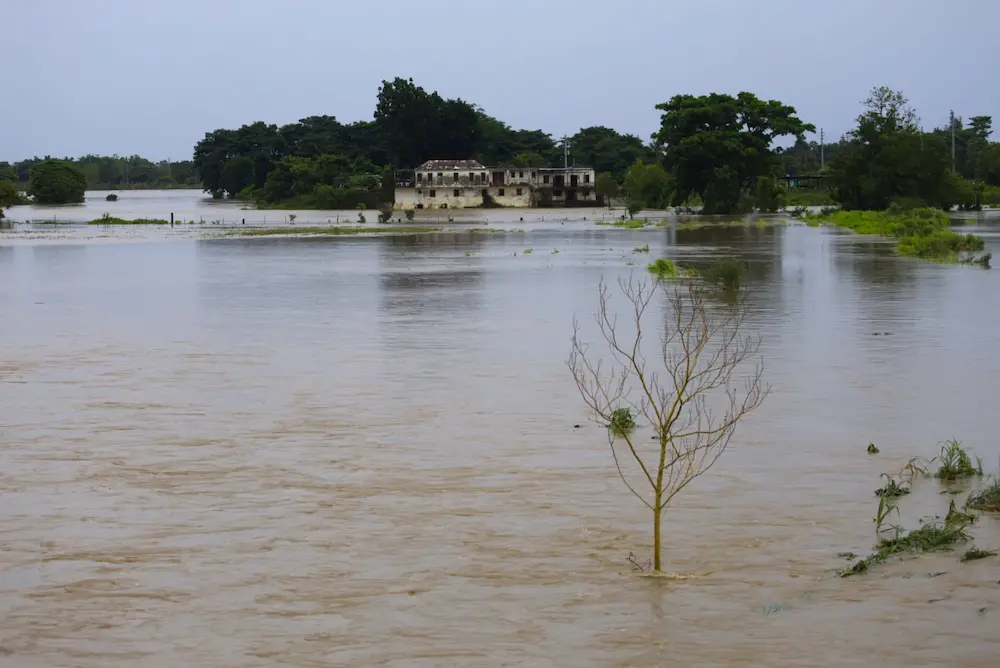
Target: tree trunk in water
{"type": "Point", "coordinates": [656, 535]}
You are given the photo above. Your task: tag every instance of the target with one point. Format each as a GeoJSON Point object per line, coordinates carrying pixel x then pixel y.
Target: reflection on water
{"type": "Point", "coordinates": [362, 452]}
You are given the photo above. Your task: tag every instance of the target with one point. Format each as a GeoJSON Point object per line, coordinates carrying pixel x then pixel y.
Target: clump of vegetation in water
{"type": "Point", "coordinates": [108, 219]}
{"type": "Point", "coordinates": [111, 198]}
{"type": "Point", "coordinates": [893, 488]}
{"type": "Point", "coordinates": [975, 553]}
{"type": "Point", "coordinates": [361, 218]}
{"type": "Point", "coordinates": [641, 249]}
{"type": "Point", "coordinates": [986, 498]}
{"type": "Point", "coordinates": [922, 233]}
{"type": "Point", "coordinates": [385, 215]}
{"type": "Point", "coordinates": [663, 268]}
{"type": "Point", "coordinates": [622, 419]}
{"type": "Point", "coordinates": [527, 251]}
{"type": "Point", "coordinates": [410, 213]}
{"type": "Point", "coordinates": [630, 224]}
{"type": "Point", "coordinates": [726, 274]}
{"type": "Point", "coordinates": [872, 450]}
{"type": "Point", "coordinates": [955, 463]}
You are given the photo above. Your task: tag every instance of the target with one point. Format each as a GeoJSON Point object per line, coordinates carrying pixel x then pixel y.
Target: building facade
{"type": "Point", "coordinates": [467, 184]}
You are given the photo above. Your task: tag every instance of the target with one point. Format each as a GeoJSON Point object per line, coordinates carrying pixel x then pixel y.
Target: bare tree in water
{"type": "Point", "coordinates": [688, 392]}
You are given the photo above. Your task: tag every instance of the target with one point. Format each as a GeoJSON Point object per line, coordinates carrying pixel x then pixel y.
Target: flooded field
{"type": "Point", "coordinates": [361, 452]}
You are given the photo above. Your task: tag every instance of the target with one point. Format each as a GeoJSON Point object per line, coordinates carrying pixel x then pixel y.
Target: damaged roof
{"type": "Point", "coordinates": [451, 164]}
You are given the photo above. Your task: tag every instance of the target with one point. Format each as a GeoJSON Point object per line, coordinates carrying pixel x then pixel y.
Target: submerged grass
{"type": "Point", "coordinates": [893, 488]}
{"type": "Point", "coordinates": [974, 553]}
{"type": "Point", "coordinates": [955, 463]}
{"type": "Point", "coordinates": [921, 233]}
{"type": "Point", "coordinates": [332, 231]}
{"type": "Point", "coordinates": [726, 273]}
{"type": "Point", "coordinates": [986, 498]}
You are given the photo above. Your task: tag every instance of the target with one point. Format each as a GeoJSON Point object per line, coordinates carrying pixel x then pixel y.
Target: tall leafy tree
{"type": "Point", "coordinates": [419, 126]}
{"type": "Point", "coordinates": [57, 182]}
{"type": "Point", "coordinates": [888, 159]}
{"type": "Point", "coordinates": [717, 145]}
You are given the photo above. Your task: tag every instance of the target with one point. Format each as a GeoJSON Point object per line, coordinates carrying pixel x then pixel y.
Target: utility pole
{"type": "Point", "coordinates": [952, 117]}
{"type": "Point", "coordinates": [565, 143]}
{"type": "Point", "coordinates": [822, 150]}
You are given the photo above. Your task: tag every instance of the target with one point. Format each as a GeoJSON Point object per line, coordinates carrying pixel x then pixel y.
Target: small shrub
{"type": "Point", "coordinates": [872, 450]}
{"type": "Point", "coordinates": [111, 197]}
{"type": "Point", "coordinates": [291, 217]}
{"type": "Point", "coordinates": [361, 218]}
{"type": "Point", "coordinates": [410, 213]}
{"type": "Point", "coordinates": [641, 249]}
{"type": "Point", "coordinates": [726, 274]}
{"type": "Point", "coordinates": [622, 419]}
{"type": "Point", "coordinates": [361, 206]}
{"type": "Point", "coordinates": [633, 207]}
{"type": "Point", "coordinates": [528, 251]}
{"type": "Point", "coordinates": [955, 463]}
{"type": "Point", "coordinates": [385, 215]}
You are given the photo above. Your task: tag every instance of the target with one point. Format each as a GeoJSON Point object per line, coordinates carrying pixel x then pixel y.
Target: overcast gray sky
{"type": "Point", "coordinates": [151, 77]}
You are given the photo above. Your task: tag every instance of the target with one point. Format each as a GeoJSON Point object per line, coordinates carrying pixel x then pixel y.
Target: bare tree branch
{"type": "Point", "coordinates": [701, 349]}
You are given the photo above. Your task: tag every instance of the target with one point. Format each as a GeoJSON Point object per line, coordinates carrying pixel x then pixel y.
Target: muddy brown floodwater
{"type": "Point", "coordinates": [361, 452]}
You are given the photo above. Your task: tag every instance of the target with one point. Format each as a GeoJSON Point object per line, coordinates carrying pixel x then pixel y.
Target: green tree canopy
{"type": "Point", "coordinates": [418, 126]}
{"type": "Point", "coordinates": [606, 150]}
{"type": "Point", "coordinates": [57, 182]}
{"type": "Point", "coordinates": [717, 145]}
{"type": "Point", "coordinates": [9, 195]}
{"type": "Point", "coordinates": [888, 159]}
{"type": "Point", "coordinates": [529, 159]}
{"type": "Point", "coordinates": [648, 185]}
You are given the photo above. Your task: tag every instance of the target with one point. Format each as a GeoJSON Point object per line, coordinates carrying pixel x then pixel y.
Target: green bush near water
{"type": "Point", "coordinates": [921, 233]}
{"type": "Point", "coordinates": [726, 273]}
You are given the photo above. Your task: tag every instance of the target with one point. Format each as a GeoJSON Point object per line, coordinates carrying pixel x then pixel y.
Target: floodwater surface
{"type": "Point", "coordinates": [363, 452]}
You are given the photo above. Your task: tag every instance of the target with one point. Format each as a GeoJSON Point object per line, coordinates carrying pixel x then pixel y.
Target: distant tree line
{"type": "Point", "coordinates": [111, 172]}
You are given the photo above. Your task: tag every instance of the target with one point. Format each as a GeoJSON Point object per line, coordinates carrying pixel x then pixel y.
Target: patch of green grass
{"type": "Point", "coordinates": [641, 249]}
{"type": "Point", "coordinates": [332, 231]}
{"type": "Point", "coordinates": [922, 233]}
{"type": "Point", "coordinates": [955, 463]}
{"type": "Point", "coordinates": [986, 498]}
{"type": "Point", "coordinates": [622, 419]}
{"type": "Point", "coordinates": [974, 553]}
{"type": "Point", "coordinates": [112, 220]}
{"type": "Point", "coordinates": [527, 251]}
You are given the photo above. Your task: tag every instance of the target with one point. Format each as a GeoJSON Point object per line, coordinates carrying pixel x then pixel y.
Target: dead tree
{"type": "Point", "coordinates": [689, 392]}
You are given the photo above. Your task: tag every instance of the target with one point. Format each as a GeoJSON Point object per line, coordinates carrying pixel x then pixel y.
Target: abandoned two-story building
{"type": "Point", "coordinates": [465, 184]}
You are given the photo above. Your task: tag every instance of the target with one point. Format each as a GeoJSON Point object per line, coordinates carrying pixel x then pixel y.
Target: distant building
{"type": "Point", "coordinates": [466, 184]}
